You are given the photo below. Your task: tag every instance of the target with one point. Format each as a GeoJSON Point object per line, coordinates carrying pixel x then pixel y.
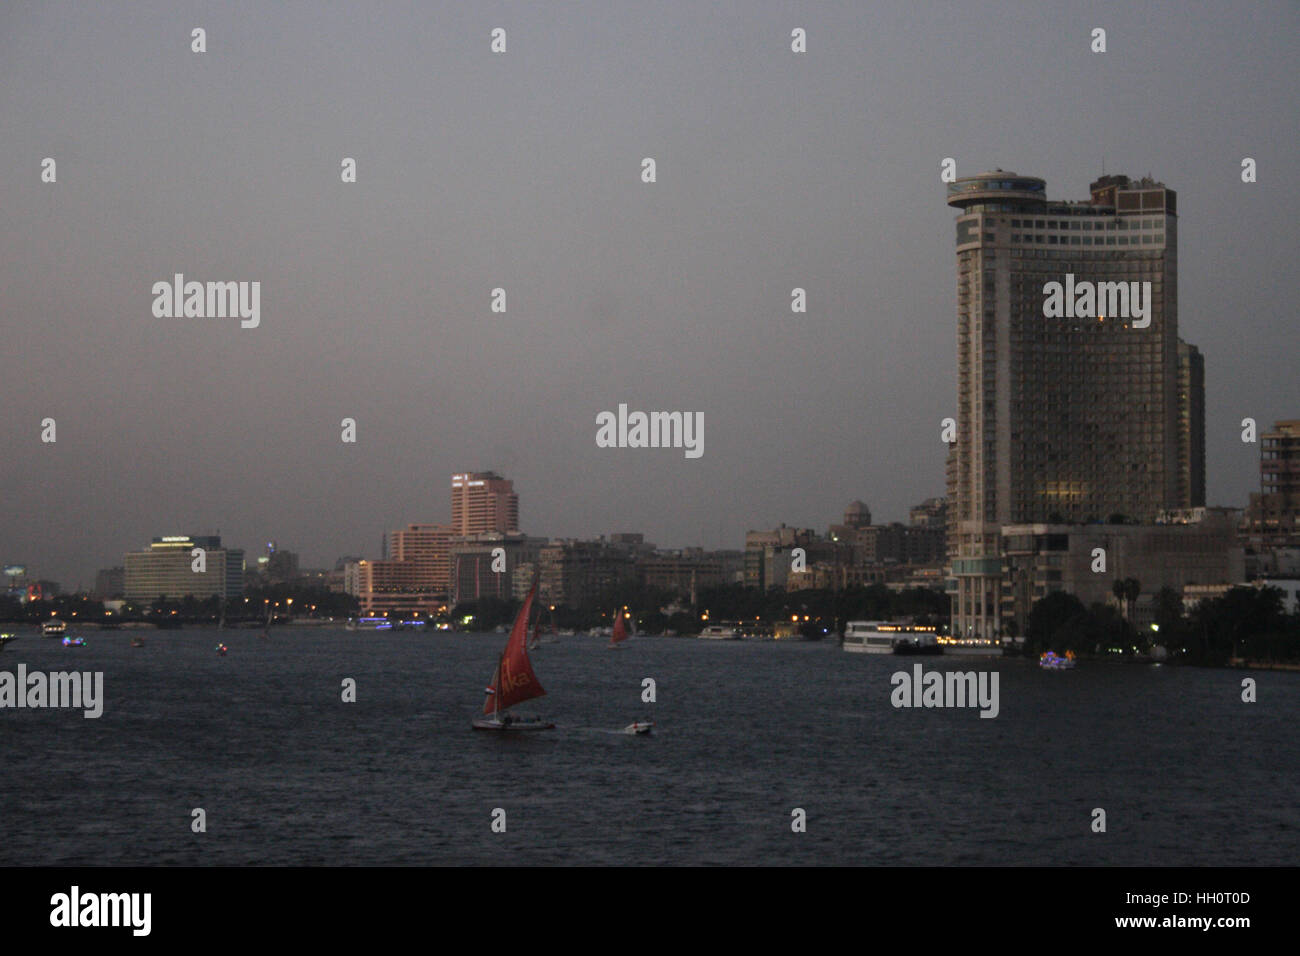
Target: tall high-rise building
{"type": "Point", "coordinates": [482, 502]}
{"type": "Point", "coordinates": [1063, 415]}
{"type": "Point", "coordinates": [1191, 425]}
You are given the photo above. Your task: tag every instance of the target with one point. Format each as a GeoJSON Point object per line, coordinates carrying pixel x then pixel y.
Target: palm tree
{"type": "Point", "coordinates": [1126, 591]}
{"type": "Point", "coordinates": [1132, 591]}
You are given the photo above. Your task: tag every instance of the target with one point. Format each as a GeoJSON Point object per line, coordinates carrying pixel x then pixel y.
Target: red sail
{"type": "Point", "coordinates": [620, 629]}
{"type": "Point", "coordinates": [514, 681]}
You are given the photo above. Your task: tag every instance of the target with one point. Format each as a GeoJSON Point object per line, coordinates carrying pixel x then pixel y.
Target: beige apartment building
{"type": "Point", "coordinates": [1062, 419]}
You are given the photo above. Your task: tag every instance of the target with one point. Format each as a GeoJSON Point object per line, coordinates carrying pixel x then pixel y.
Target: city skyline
{"type": "Point", "coordinates": [522, 173]}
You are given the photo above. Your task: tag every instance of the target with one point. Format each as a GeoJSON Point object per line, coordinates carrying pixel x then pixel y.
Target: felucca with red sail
{"type": "Point", "coordinates": [539, 638]}
{"type": "Point", "coordinates": [619, 631]}
{"type": "Point", "coordinates": [514, 681]}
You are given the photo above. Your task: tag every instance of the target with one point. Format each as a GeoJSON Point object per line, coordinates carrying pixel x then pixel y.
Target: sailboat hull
{"type": "Point", "coordinates": [515, 725]}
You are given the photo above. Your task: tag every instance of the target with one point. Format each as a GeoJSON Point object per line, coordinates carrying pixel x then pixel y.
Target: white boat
{"type": "Point", "coordinates": [721, 631]}
{"type": "Point", "coordinates": [53, 628]}
{"type": "Point", "coordinates": [640, 728]}
{"type": "Point", "coordinates": [870, 637]}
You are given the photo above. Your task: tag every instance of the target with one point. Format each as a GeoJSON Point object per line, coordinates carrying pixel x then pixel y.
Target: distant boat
{"type": "Point", "coordinates": [890, 637]}
{"type": "Point", "coordinates": [74, 642]}
{"type": "Point", "coordinates": [514, 681]}
{"type": "Point", "coordinates": [369, 624]}
{"type": "Point", "coordinates": [53, 628]}
{"type": "Point", "coordinates": [1051, 661]}
{"type": "Point", "coordinates": [6, 638]}
{"type": "Point", "coordinates": [721, 631]}
{"type": "Point", "coordinates": [971, 646]}
{"type": "Point", "coordinates": [922, 643]}
{"type": "Point", "coordinates": [221, 649]}
{"type": "Point", "coordinates": [619, 631]}
{"type": "Point", "coordinates": [137, 642]}
{"type": "Point", "coordinates": [540, 638]}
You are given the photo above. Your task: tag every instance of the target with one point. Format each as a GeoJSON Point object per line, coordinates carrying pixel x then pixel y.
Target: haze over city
{"type": "Point", "coordinates": [522, 171]}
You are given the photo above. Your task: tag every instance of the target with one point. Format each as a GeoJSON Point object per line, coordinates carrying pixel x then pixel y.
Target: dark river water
{"type": "Point", "coordinates": [746, 732]}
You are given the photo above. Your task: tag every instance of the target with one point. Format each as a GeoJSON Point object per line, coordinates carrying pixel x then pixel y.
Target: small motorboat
{"type": "Point", "coordinates": [640, 728]}
{"type": "Point", "coordinates": [74, 642]}
{"type": "Point", "coordinates": [221, 649]}
{"type": "Point", "coordinates": [6, 638]}
{"type": "Point", "coordinates": [137, 642]}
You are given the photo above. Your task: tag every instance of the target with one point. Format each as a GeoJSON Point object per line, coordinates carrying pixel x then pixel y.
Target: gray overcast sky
{"type": "Point", "coordinates": [521, 170]}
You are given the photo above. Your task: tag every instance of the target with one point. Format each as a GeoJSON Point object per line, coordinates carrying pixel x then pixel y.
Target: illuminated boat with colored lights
{"type": "Point", "coordinates": [514, 682]}
{"type": "Point", "coordinates": [74, 642]}
{"type": "Point", "coordinates": [1051, 661]}
{"type": "Point", "coordinates": [369, 624]}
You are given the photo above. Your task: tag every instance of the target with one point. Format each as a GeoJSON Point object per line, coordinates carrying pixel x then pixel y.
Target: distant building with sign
{"type": "Point", "coordinates": [166, 568]}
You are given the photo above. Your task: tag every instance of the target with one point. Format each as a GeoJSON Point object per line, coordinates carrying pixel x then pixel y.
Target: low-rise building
{"type": "Point", "coordinates": [483, 565]}
{"type": "Point", "coordinates": [579, 573]}
{"type": "Point", "coordinates": [1038, 559]}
